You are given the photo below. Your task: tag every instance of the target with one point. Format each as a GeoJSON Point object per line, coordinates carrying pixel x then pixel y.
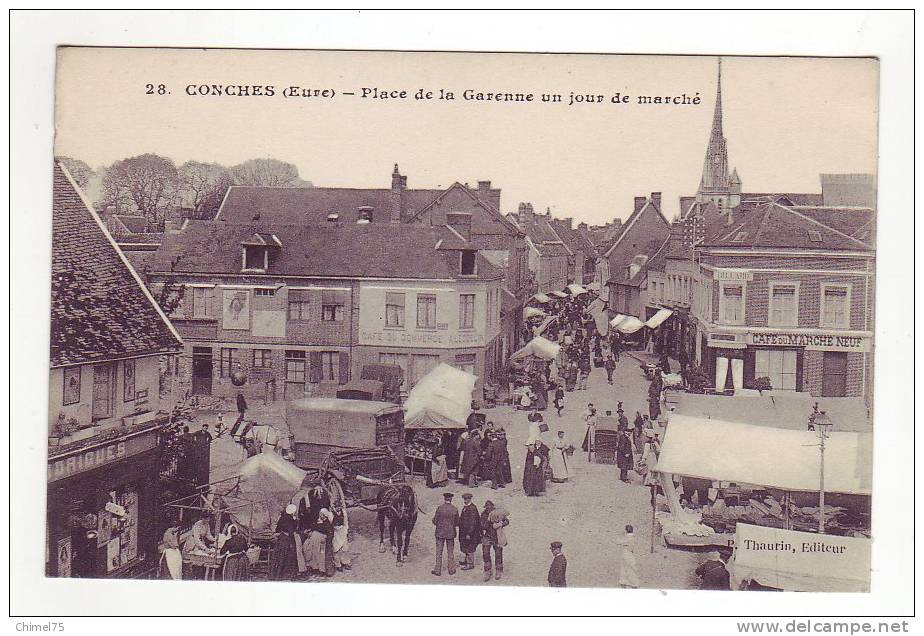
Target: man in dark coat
{"type": "Point", "coordinates": [714, 573]}
{"type": "Point", "coordinates": [623, 420]}
{"type": "Point", "coordinates": [469, 531]}
{"type": "Point", "coordinates": [665, 363]}
{"type": "Point", "coordinates": [241, 410]}
{"type": "Point", "coordinates": [559, 567]}
{"type": "Point", "coordinates": [471, 458]}
{"type": "Point", "coordinates": [446, 520]}
{"type": "Point", "coordinates": [609, 365]}
{"type": "Point", "coordinates": [624, 455]}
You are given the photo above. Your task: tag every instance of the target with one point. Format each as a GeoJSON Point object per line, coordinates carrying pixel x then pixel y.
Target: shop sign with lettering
{"type": "Point", "coordinates": [817, 342]}
{"type": "Point", "coordinates": [730, 274]}
{"type": "Point", "coordinates": [89, 458]}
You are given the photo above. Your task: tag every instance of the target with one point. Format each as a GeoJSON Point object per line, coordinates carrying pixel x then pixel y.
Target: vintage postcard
{"type": "Point", "coordinates": [464, 319]}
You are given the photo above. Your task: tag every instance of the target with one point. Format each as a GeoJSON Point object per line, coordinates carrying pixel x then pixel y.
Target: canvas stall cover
{"type": "Point", "coordinates": [597, 309]}
{"type": "Point", "coordinates": [801, 561]}
{"type": "Point", "coordinates": [442, 399]}
{"type": "Point", "coordinates": [764, 456]}
{"type": "Point", "coordinates": [539, 347]}
{"type": "Point", "coordinates": [576, 289]}
{"type": "Point", "coordinates": [268, 481]}
{"type": "Point", "coordinates": [626, 324]}
{"type": "Point", "coordinates": [655, 321]}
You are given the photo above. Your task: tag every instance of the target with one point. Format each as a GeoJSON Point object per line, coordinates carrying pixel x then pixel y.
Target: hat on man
{"type": "Point", "coordinates": [447, 496]}
{"type": "Point", "coordinates": [556, 545]}
{"type": "Point", "coordinates": [291, 509]}
{"type": "Point", "coordinates": [467, 496]}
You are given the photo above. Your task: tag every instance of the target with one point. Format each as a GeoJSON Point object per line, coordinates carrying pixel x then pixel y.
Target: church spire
{"type": "Point", "coordinates": [716, 183]}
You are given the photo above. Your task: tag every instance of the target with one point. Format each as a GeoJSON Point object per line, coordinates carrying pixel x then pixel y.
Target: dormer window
{"type": "Point", "coordinates": [256, 257]}
{"type": "Point", "coordinates": [333, 217]}
{"type": "Point", "coordinates": [467, 263]}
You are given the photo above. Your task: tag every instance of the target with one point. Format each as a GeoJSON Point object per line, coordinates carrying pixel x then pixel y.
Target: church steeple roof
{"type": "Point", "coordinates": [715, 178]}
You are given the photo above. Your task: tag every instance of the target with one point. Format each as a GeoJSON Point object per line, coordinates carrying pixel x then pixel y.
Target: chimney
{"type": "Point", "coordinates": [656, 199]}
{"type": "Point", "coordinates": [569, 221]}
{"type": "Point", "coordinates": [639, 204]}
{"type": "Point", "coordinates": [526, 211]}
{"type": "Point", "coordinates": [396, 198]}
{"type": "Point", "coordinates": [484, 189]}
{"type": "Point", "coordinates": [461, 222]}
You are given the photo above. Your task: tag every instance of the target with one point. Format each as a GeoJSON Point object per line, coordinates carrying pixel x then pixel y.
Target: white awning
{"type": "Point", "coordinates": [542, 298]}
{"type": "Point", "coordinates": [539, 347]}
{"type": "Point", "coordinates": [774, 457]}
{"type": "Point", "coordinates": [656, 320]}
{"type": "Point", "coordinates": [626, 324]}
{"type": "Point", "coordinates": [792, 561]}
{"type": "Point", "coordinates": [594, 286]}
{"type": "Point", "coordinates": [576, 289]}
{"type": "Point", "coordinates": [529, 312]}
{"type": "Point", "coordinates": [558, 294]}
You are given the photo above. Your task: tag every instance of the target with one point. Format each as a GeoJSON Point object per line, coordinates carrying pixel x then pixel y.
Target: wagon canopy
{"type": "Point", "coordinates": [442, 399]}
{"type": "Point", "coordinates": [764, 456]}
{"type": "Point", "coordinates": [361, 390]}
{"type": "Point", "coordinates": [268, 481]}
{"type": "Point", "coordinates": [307, 416]}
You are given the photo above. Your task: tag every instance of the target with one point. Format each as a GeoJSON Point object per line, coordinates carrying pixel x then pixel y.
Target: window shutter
{"type": "Point", "coordinates": [314, 359]}
{"type": "Point", "coordinates": [344, 368]}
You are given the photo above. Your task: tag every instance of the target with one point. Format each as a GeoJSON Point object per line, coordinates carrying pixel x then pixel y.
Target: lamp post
{"type": "Point", "coordinates": [823, 424]}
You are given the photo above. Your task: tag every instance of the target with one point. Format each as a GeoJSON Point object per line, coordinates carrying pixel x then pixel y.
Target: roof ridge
{"type": "Point", "coordinates": [819, 223]}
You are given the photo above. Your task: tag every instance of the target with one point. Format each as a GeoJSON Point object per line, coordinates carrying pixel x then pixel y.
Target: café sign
{"type": "Point", "coordinates": [815, 341]}
{"type": "Point", "coordinates": [732, 274]}
{"type": "Point", "coordinates": [87, 459]}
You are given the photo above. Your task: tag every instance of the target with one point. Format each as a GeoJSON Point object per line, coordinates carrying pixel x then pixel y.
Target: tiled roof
{"type": "Point", "coordinates": [574, 238]}
{"type": "Point", "coordinates": [779, 226]}
{"type": "Point", "coordinates": [627, 226]}
{"type": "Point", "coordinates": [293, 206]}
{"type": "Point", "coordinates": [132, 224]}
{"type": "Point", "coordinates": [376, 250]}
{"type": "Point", "coordinates": [100, 310]}
{"type": "Point", "coordinates": [492, 222]}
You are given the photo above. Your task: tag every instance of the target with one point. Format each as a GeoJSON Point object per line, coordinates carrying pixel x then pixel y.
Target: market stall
{"type": "Point", "coordinates": [761, 485]}
{"type": "Point", "coordinates": [437, 409]}
{"type": "Point", "coordinates": [804, 562]}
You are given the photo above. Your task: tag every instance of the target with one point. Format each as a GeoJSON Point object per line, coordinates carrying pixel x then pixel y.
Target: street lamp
{"type": "Point", "coordinates": [823, 424]}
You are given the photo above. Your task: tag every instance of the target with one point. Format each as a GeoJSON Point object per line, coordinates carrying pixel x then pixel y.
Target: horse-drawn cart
{"type": "Point", "coordinates": [354, 477]}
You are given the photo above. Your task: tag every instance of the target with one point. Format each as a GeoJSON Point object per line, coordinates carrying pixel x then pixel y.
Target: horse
{"type": "Point", "coordinates": [399, 504]}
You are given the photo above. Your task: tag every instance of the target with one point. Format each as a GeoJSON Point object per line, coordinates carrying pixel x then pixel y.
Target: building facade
{"type": "Point", "coordinates": [299, 310]}
{"type": "Point", "coordinates": [109, 340]}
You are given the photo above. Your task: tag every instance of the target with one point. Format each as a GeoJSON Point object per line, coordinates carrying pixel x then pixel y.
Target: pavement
{"type": "Point", "coordinates": [587, 514]}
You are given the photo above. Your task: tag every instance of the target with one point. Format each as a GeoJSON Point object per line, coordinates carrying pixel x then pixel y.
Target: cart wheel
{"type": "Point", "coordinates": [337, 498]}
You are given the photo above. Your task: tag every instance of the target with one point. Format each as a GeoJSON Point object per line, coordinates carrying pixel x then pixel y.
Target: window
{"type": "Point", "coordinates": [835, 306]}
{"type": "Point", "coordinates": [264, 291]}
{"type": "Point", "coordinates": [399, 359]}
{"type": "Point", "coordinates": [731, 304]}
{"type": "Point", "coordinates": [777, 364]}
{"type": "Point", "coordinates": [262, 358]}
{"type": "Point", "coordinates": [227, 361]}
{"type": "Point", "coordinates": [426, 311]}
{"type": "Point", "coordinates": [466, 362]}
{"type": "Point", "coordinates": [332, 313]}
{"type": "Point", "coordinates": [467, 263]}
{"type": "Point", "coordinates": [103, 390]}
{"type": "Point", "coordinates": [330, 366]}
{"type": "Point", "coordinates": [298, 305]}
{"type": "Point", "coordinates": [466, 311]}
{"type": "Point", "coordinates": [254, 257]}
{"type": "Point", "coordinates": [394, 309]}
{"type": "Point", "coordinates": [71, 385]}
{"type": "Point", "coordinates": [295, 366]}
{"type": "Point", "coordinates": [784, 304]}
{"type": "Point", "coordinates": [203, 302]}
{"type": "Point", "coordinates": [128, 381]}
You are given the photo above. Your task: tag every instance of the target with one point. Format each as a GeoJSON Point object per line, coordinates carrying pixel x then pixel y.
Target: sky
{"type": "Point", "coordinates": [786, 120]}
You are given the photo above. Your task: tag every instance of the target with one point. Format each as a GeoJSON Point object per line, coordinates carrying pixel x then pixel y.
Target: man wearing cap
{"type": "Point", "coordinates": [469, 531]}
{"type": "Point", "coordinates": [559, 566]}
{"type": "Point", "coordinates": [446, 520]}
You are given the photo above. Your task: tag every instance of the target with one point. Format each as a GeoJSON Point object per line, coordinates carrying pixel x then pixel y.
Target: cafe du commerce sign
{"type": "Point", "coordinates": [86, 459]}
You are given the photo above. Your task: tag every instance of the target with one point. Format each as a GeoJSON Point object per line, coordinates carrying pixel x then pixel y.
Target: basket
{"type": "Point", "coordinates": [253, 554]}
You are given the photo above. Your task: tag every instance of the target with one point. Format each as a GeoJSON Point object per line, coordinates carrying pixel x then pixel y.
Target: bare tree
{"type": "Point", "coordinates": [266, 172]}
{"type": "Point", "coordinates": [147, 184]}
{"type": "Point", "coordinates": [80, 171]}
{"type": "Point", "coordinates": [202, 187]}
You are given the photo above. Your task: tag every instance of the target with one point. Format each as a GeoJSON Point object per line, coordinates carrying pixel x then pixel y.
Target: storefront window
{"type": "Point", "coordinates": [779, 365]}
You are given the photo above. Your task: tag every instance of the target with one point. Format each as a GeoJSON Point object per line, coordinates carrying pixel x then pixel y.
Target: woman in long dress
{"type": "Point", "coordinates": [319, 558]}
{"type": "Point", "coordinates": [628, 564]}
{"type": "Point", "coordinates": [284, 565]}
{"type": "Point", "coordinates": [237, 565]}
{"type": "Point", "coordinates": [559, 460]}
{"type": "Point", "coordinates": [532, 478]}
{"type": "Point", "coordinates": [171, 560]}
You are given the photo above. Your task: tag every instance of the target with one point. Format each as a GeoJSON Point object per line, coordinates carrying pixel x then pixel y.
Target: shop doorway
{"type": "Point", "coordinates": [202, 371]}
{"type": "Point", "coordinates": [834, 374]}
